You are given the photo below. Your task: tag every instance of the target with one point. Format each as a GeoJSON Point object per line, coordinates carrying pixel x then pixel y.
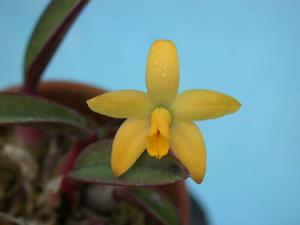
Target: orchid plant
{"type": "Point", "coordinates": [62, 163]}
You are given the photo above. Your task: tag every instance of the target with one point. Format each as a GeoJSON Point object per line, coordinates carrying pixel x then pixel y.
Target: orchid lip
{"type": "Point", "coordinates": [158, 135]}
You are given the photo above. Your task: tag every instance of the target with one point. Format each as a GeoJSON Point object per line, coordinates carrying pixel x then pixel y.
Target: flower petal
{"type": "Point", "coordinates": [122, 104]}
{"type": "Point", "coordinates": [162, 73]}
{"type": "Point", "coordinates": [129, 143]}
{"type": "Point", "coordinates": [203, 105]}
{"type": "Point", "coordinates": [188, 146]}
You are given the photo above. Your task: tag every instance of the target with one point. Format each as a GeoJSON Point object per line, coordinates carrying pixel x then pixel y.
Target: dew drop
{"type": "Point", "coordinates": [156, 63]}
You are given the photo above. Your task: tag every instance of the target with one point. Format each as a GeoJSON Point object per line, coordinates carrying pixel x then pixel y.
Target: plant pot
{"type": "Point", "coordinates": [74, 95]}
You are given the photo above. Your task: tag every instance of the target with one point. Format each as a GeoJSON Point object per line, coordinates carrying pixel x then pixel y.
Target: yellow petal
{"type": "Point", "coordinates": [203, 105]}
{"type": "Point", "coordinates": [188, 146]}
{"type": "Point", "coordinates": [122, 104]}
{"type": "Point", "coordinates": [129, 143]}
{"type": "Point", "coordinates": [162, 73]}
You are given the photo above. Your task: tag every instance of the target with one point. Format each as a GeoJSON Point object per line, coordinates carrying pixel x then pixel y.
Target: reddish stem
{"type": "Point", "coordinates": [68, 186]}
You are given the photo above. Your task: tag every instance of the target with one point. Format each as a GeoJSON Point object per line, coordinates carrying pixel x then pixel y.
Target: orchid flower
{"type": "Point", "coordinates": [162, 120]}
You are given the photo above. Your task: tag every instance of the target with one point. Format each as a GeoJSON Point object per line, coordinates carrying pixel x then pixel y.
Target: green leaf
{"type": "Point", "coordinates": [94, 166]}
{"type": "Point", "coordinates": [48, 34]}
{"type": "Point", "coordinates": [27, 110]}
{"type": "Point", "coordinates": [154, 203]}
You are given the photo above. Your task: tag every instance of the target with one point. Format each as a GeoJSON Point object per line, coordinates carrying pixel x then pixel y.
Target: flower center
{"type": "Point", "coordinates": [158, 136]}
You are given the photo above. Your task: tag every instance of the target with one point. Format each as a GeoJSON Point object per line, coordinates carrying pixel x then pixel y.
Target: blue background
{"type": "Point", "coordinates": [248, 49]}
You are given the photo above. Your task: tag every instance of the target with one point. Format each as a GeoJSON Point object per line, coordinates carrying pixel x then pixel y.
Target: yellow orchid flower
{"type": "Point", "coordinates": [160, 119]}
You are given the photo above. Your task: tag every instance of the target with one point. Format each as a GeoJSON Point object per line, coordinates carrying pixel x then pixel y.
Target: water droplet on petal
{"type": "Point", "coordinates": [156, 63]}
